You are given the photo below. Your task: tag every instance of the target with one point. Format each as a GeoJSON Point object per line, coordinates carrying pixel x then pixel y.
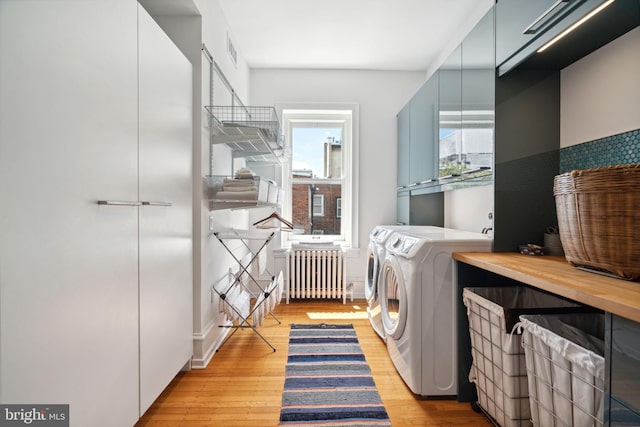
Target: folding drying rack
{"type": "Point", "coordinates": [265, 299]}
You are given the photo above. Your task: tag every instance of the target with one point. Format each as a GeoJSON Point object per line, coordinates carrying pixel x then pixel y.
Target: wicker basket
{"type": "Point", "coordinates": [599, 218]}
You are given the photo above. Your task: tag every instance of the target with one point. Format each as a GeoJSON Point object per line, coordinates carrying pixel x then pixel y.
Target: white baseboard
{"type": "Point", "coordinates": [208, 341]}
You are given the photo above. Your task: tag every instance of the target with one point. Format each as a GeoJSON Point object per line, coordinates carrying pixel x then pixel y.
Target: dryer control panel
{"type": "Point", "coordinates": [381, 235]}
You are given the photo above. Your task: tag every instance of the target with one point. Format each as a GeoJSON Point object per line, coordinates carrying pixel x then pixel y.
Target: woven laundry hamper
{"type": "Point", "coordinates": [599, 218]}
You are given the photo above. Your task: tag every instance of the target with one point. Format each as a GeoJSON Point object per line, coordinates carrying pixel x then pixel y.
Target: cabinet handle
{"type": "Point", "coordinates": [544, 14]}
{"type": "Point", "coordinates": [157, 204]}
{"type": "Point", "coordinates": [117, 203]}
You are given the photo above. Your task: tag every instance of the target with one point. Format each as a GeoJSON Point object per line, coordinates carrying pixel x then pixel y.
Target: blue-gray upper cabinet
{"type": "Point", "coordinates": [478, 95]}
{"type": "Point", "coordinates": [404, 141]}
{"type": "Point", "coordinates": [423, 163]}
{"type": "Point", "coordinates": [450, 115]}
{"type": "Point", "coordinates": [524, 26]}
{"type": "Point", "coordinates": [417, 137]}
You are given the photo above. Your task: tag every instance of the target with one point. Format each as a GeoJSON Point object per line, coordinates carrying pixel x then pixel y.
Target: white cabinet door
{"type": "Point", "coordinates": [166, 302]}
{"type": "Point", "coordinates": [68, 266]}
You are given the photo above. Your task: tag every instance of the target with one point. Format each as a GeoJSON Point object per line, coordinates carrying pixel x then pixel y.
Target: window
{"type": "Point", "coordinates": [319, 175]}
{"type": "Point", "coordinates": [318, 205]}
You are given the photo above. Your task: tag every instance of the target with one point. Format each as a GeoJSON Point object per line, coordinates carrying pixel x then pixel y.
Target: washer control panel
{"type": "Point", "coordinates": [403, 244]}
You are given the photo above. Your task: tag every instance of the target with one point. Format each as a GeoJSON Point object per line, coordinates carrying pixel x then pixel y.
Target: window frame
{"type": "Point", "coordinates": [348, 115]}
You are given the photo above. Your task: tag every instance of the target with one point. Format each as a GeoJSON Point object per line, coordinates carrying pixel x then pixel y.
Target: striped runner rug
{"type": "Point", "coordinates": [328, 382]}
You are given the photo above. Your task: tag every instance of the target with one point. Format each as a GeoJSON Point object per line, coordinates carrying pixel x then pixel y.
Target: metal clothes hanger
{"type": "Point", "coordinates": [267, 222]}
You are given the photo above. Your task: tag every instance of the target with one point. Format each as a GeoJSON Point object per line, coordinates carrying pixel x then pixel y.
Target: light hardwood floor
{"type": "Point", "coordinates": [242, 386]}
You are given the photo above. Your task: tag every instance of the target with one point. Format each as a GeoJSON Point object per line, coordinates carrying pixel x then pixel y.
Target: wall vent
{"type": "Point", "coordinates": [232, 51]}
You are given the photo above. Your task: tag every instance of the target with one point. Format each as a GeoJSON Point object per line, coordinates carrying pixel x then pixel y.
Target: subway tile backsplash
{"type": "Point", "coordinates": [618, 149]}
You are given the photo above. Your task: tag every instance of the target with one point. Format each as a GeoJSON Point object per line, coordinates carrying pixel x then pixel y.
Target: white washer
{"type": "Point", "coordinates": [375, 257]}
{"type": "Point", "coordinates": [418, 302]}
{"type": "Point", "coordinates": [376, 252]}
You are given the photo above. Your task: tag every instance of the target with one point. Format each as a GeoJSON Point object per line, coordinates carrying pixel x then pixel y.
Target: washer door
{"type": "Point", "coordinates": [393, 294]}
{"type": "Point", "coordinates": [373, 268]}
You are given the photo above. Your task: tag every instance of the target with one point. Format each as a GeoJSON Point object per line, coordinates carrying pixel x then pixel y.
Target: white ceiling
{"type": "Point", "coordinates": [349, 34]}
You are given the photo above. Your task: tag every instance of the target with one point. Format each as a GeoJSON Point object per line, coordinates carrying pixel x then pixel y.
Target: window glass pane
{"type": "Point", "coordinates": [316, 151]}
{"type": "Point", "coordinates": [316, 178]}
{"type": "Point", "coordinates": [314, 208]}
{"type": "Point", "coordinates": [318, 204]}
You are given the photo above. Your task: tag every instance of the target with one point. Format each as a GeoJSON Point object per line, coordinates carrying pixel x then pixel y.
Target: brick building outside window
{"type": "Point", "coordinates": [315, 207]}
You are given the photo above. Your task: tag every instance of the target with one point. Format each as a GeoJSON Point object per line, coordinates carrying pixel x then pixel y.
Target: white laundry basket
{"type": "Point", "coordinates": [498, 368]}
{"type": "Point", "coordinates": [565, 368]}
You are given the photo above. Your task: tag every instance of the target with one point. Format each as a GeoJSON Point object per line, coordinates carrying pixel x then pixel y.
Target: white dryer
{"type": "Point", "coordinates": [376, 252]}
{"type": "Point", "coordinates": [418, 302]}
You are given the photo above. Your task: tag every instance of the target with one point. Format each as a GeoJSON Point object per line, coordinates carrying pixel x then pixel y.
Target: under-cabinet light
{"type": "Point", "coordinates": [576, 25]}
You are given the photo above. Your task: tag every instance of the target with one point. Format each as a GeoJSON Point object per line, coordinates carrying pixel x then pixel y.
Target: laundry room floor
{"type": "Point", "coordinates": [242, 386]}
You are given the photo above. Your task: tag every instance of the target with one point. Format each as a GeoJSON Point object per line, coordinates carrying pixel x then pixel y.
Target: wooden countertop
{"type": "Point", "coordinates": [554, 274]}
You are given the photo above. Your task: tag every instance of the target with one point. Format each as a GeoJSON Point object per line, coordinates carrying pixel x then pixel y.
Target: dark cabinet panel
{"type": "Point", "coordinates": [523, 27]}
{"type": "Point", "coordinates": [427, 209]}
{"type": "Point", "coordinates": [625, 362]}
{"type": "Point", "coordinates": [402, 207]}
{"type": "Point", "coordinates": [620, 415]}
{"type": "Point", "coordinates": [519, 22]}
{"type": "Point", "coordinates": [527, 157]}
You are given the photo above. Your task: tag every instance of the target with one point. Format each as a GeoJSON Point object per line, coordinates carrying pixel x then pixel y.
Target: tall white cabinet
{"type": "Point", "coordinates": [165, 185]}
{"type": "Point", "coordinates": [95, 299]}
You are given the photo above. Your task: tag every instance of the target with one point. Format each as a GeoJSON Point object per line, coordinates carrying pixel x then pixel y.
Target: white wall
{"type": "Point", "coordinates": [472, 18]}
{"type": "Point", "coordinates": [380, 95]}
{"type": "Point", "coordinates": [212, 260]}
{"type": "Point", "coordinates": [214, 34]}
{"type": "Point", "coordinates": [600, 94]}
{"type": "Point", "coordinates": [468, 209]}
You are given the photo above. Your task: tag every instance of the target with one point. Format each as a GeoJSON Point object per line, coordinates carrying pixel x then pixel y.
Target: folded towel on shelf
{"type": "Point", "coordinates": [244, 173]}
{"type": "Point", "coordinates": [237, 182]}
{"type": "Point", "coordinates": [239, 188]}
{"type": "Point", "coordinates": [237, 195]}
